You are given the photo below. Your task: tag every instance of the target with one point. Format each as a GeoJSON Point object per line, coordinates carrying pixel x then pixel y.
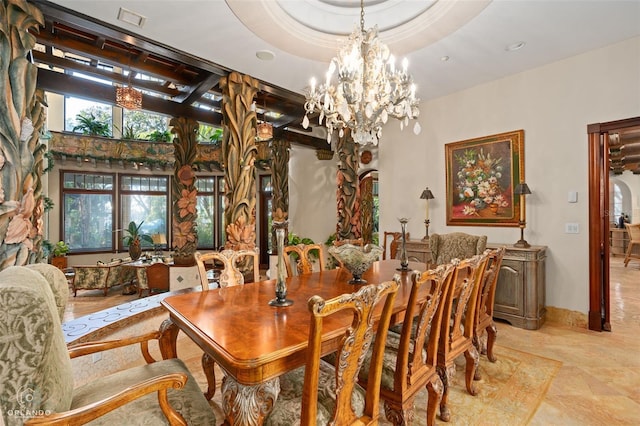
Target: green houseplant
{"type": "Point", "coordinates": [134, 238]}
{"type": "Point", "coordinates": [59, 252]}
{"type": "Point", "coordinates": [90, 125]}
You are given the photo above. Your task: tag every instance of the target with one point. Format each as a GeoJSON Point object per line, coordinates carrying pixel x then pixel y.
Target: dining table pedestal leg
{"type": "Point", "coordinates": [248, 405]}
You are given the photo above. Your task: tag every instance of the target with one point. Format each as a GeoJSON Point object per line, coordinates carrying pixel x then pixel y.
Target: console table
{"type": "Point", "coordinates": [417, 250]}
{"type": "Point", "coordinates": [520, 293]}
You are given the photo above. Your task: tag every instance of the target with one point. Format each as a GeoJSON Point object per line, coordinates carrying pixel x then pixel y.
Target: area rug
{"type": "Point", "coordinates": [509, 393]}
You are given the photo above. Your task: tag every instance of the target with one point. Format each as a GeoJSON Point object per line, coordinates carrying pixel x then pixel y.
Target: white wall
{"type": "Point", "coordinates": [553, 104]}
{"type": "Point", "coordinates": [632, 206]}
{"type": "Point", "coordinates": [312, 194]}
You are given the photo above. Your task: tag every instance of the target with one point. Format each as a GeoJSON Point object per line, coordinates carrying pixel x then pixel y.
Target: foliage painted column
{"type": "Point", "coordinates": [280, 180]}
{"type": "Point", "coordinates": [21, 118]}
{"type": "Point", "coordinates": [185, 236]}
{"type": "Point", "coordinates": [348, 193]}
{"type": "Point", "coordinates": [366, 208]}
{"type": "Point", "coordinates": [239, 154]}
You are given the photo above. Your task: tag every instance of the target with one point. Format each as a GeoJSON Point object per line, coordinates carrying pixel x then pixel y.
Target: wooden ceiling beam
{"type": "Point", "coordinates": [71, 65]}
{"type": "Point", "coordinates": [108, 57]}
{"type": "Point", "coordinates": [68, 85]}
{"type": "Point", "coordinates": [198, 90]}
{"type": "Point", "coordinates": [89, 24]}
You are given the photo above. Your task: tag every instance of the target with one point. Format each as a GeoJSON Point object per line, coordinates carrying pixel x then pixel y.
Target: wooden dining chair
{"type": "Point", "coordinates": [456, 333]}
{"type": "Point", "coordinates": [484, 309]}
{"type": "Point", "coordinates": [303, 258]}
{"type": "Point", "coordinates": [392, 239]}
{"type": "Point", "coordinates": [633, 232]}
{"type": "Point", "coordinates": [228, 260]}
{"type": "Point", "coordinates": [406, 371]}
{"type": "Point", "coordinates": [230, 275]}
{"type": "Point", "coordinates": [321, 393]}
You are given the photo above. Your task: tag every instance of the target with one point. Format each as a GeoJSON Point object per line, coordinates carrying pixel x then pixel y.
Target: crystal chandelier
{"type": "Point", "coordinates": [369, 89]}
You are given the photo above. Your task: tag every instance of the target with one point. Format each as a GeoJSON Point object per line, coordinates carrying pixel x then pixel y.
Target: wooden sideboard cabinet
{"type": "Point", "coordinates": [417, 250]}
{"type": "Point", "coordinates": [520, 294]}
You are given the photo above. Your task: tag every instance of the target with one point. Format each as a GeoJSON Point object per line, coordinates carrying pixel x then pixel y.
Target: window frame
{"type": "Point", "coordinates": [63, 212]}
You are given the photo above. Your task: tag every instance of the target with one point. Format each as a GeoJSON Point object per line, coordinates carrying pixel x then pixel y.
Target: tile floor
{"type": "Point", "coordinates": [599, 381]}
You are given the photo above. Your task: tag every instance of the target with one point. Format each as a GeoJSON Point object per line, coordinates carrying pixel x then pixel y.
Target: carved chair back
{"type": "Point", "coordinates": [350, 353]}
{"type": "Point", "coordinates": [457, 326]}
{"type": "Point", "coordinates": [486, 300]}
{"type": "Point", "coordinates": [406, 371]}
{"type": "Point", "coordinates": [228, 261]}
{"type": "Point", "coordinates": [304, 258]}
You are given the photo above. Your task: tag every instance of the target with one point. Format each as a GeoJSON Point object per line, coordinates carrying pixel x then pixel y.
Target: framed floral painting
{"type": "Point", "coordinates": [482, 174]}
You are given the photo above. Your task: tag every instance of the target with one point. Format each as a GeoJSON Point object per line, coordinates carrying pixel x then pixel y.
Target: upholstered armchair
{"type": "Point", "coordinates": [456, 245]}
{"type": "Point", "coordinates": [36, 378]}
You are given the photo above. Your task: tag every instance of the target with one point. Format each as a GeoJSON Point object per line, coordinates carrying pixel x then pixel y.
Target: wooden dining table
{"type": "Point", "coordinates": [254, 343]}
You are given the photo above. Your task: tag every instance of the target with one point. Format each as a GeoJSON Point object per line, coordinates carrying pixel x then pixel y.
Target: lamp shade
{"type": "Point", "coordinates": [522, 189]}
{"type": "Point", "coordinates": [159, 239]}
{"type": "Point", "coordinates": [128, 97]}
{"type": "Point", "coordinates": [427, 195]}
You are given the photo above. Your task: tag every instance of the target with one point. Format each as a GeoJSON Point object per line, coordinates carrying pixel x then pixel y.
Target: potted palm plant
{"type": "Point", "coordinates": [134, 239]}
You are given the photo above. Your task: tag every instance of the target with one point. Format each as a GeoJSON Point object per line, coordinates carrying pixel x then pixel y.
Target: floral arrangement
{"type": "Point", "coordinates": [479, 182]}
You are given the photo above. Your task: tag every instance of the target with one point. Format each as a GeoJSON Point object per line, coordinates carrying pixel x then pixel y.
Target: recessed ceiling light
{"type": "Point", "coordinates": [515, 46]}
{"type": "Point", "coordinates": [130, 17]}
{"type": "Point", "coordinates": [265, 55]}
{"type": "Point", "coordinates": [445, 58]}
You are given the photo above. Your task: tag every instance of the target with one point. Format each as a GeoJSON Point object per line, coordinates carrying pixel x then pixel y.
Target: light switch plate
{"type": "Point", "coordinates": [573, 196]}
{"type": "Point", "coordinates": [571, 228]}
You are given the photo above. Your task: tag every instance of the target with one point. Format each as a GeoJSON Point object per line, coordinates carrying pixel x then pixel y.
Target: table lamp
{"type": "Point", "coordinates": [426, 195]}
{"type": "Point", "coordinates": [522, 189]}
{"type": "Point", "coordinates": [158, 240]}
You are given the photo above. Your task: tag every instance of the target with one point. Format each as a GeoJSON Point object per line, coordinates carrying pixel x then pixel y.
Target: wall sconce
{"type": "Point", "coordinates": [426, 195]}
{"type": "Point", "coordinates": [522, 189]}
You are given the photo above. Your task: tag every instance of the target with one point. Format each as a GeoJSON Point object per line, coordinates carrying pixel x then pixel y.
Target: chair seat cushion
{"type": "Point", "coordinates": [189, 401]}
{"type": "Point", "coordinates": [288, 406]}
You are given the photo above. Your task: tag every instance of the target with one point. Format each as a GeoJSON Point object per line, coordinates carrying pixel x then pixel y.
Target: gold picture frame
{"type": "Point", "coordinates": [482, 174]}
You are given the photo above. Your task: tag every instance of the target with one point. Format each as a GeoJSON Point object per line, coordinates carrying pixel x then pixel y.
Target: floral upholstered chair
{"type": "Point", "coordinates": [36, 378]}
{"type": "Point", "coordinates": [456, 245]}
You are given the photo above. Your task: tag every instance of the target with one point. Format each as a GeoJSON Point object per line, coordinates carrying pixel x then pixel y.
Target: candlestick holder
{"type": "Point", "coordinates": [426, 230]}
{"type": "Point", "coordinates": [281, 281]}
{"type": "Point", "coordinates": [522, 190]}
{"type": "Point", "coordinates": [404, 261]}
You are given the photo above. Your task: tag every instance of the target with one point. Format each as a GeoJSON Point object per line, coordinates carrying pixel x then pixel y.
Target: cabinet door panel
{"type": "Point", "coordinates": [509, 296]}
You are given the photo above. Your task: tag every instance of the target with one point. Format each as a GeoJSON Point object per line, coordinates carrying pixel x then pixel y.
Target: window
{"type": "Point", "coordinates": [87, 214]}
{"type": "Point", "coordinates": [145, 125]}
{"type": "Point", "coordinates": [210, 207]}
{"type": "Point", "coordinates": [100, 113]}
{"type": "Point", "coordinates": [144, 199]}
